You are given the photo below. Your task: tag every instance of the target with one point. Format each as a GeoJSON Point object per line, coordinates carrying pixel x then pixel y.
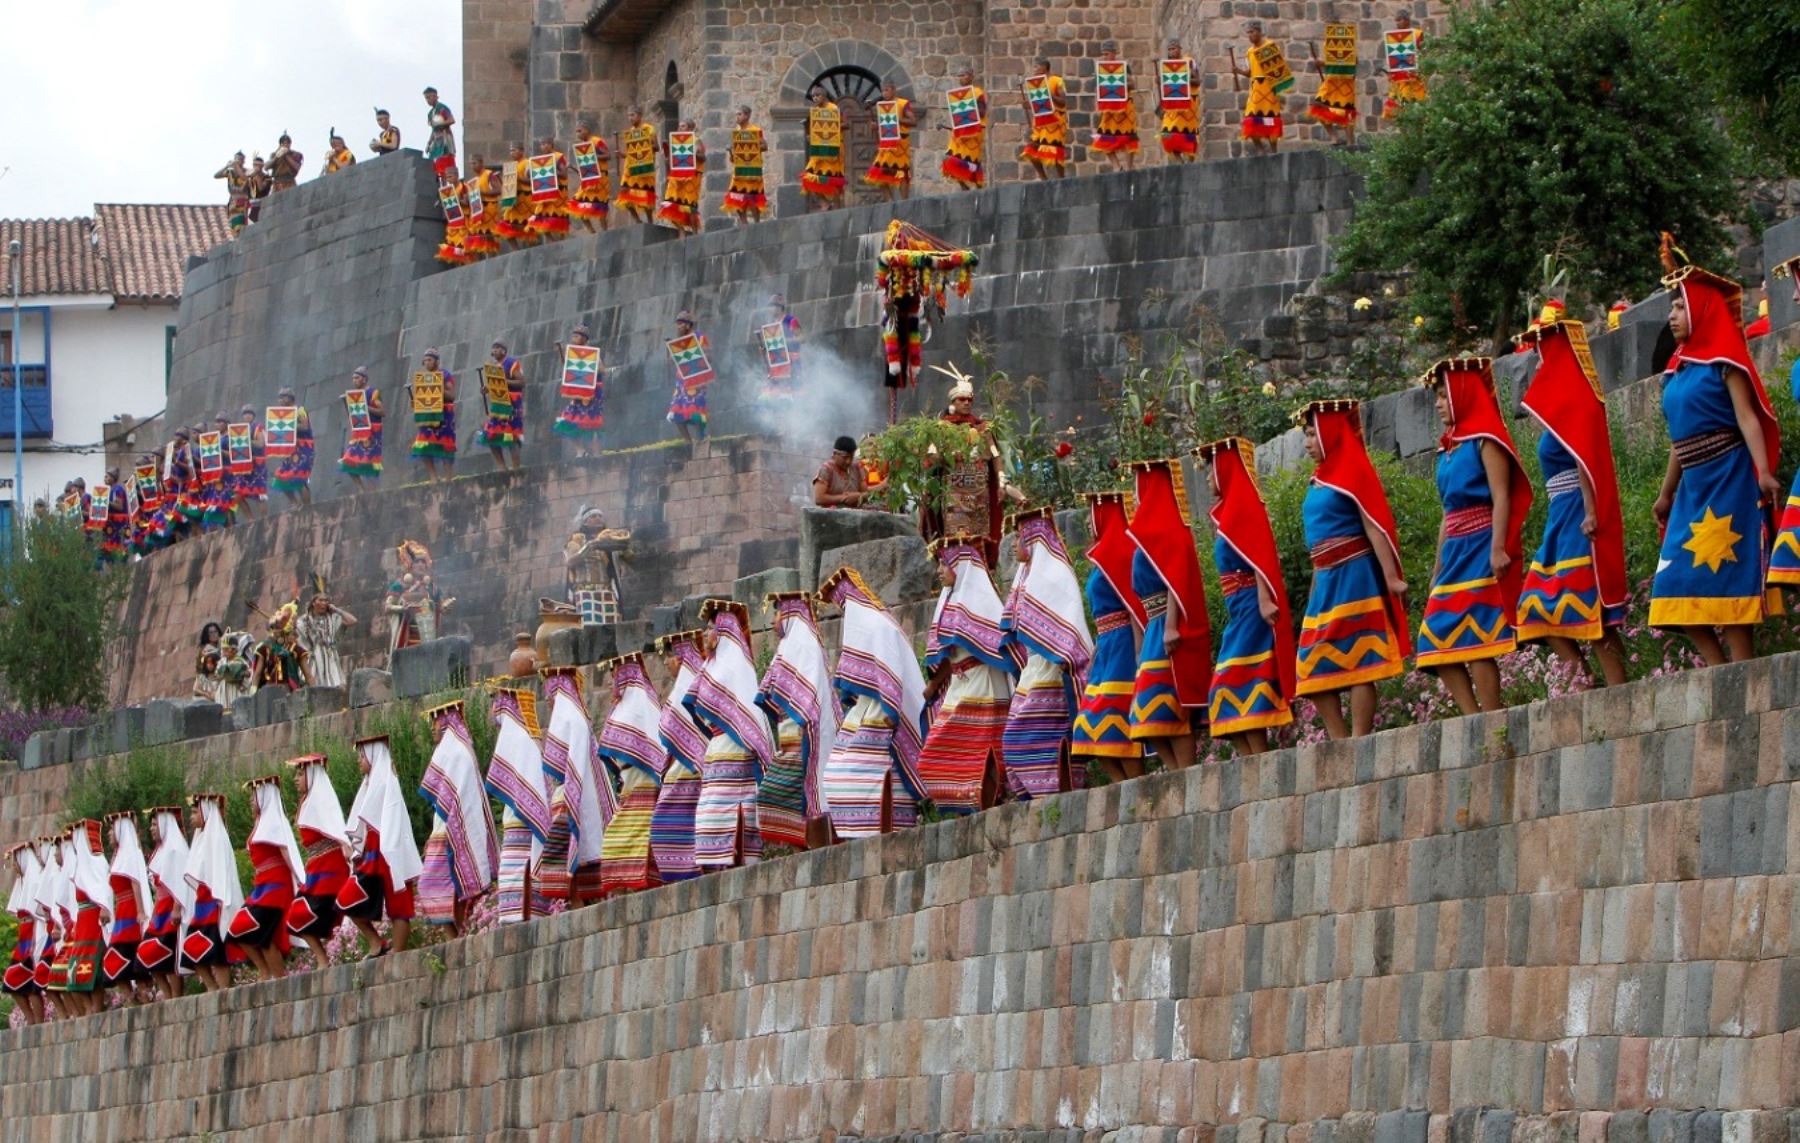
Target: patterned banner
{"type": "Point", "coordinates": [494, 388]}
{"type": "Point", "coordinates": [587, 163]}
{"type": "Point", "coordinates": [1340, 49]}
{"type": "Point", "coordinates": [428, 398]}
{"type": "Point", "coordinates": [99, 504]}
{"type": "Point", "coordinates": [450, 198]}
{"type": "Point", "coordinates": [684, 153]}
{"type": "Point", "coordinates": [824, 128]}
{"type": "Point", "coordinates": [1272, 66]}
{"type": "Point", "coordinates": [965, 111]}
{"type": "Point", "coordinates": [477, 206]}
{"type": "Point", "coordinates": [775, 348]}
{"type": "Point", "coordinates": [132, 503]}
{"type": "Point", "coordinates": [509, 185]}
{"type": "Point", "coordinates": [581, 372]}
{"type": "Point", "coordinates": [640, 151]}
{"type": "Point", "coordinates": [238, 460]}
{"type": "Point", "coordinates": [887, 121]}
{"type": "Point", "coordinates": [1402, 53]}
{"type": "Point", "coordinates": [362, 425]}
{"type": "Point", "coordinates": [212, 456]}
{"type": "Point", "coordinates": [541, 170]}
{"type": "Point", "coordinates": [281, 430]}
{"type": "Point", "coordinates": [692, 368]}
{"type": "Point", "coordinates": [149, 488]}
{"type": "Point", "coordinates": [747, 153]}
{"type": "Point", "coordinates": [1176, 78]}
{"type": "Point", "coordinates": [1112, 83]}
{"type": "Point", "coordinates": [71, 505]}
{"type": "Point", "coordinates": [1043, 107]}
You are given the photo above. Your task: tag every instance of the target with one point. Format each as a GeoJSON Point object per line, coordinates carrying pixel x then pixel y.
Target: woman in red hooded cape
{"type": "Point", "coordinates": [1575, 590]}
{"type": "Point", "coordinates": [1253, 677]}
{"type": "Point", "coordinates": [1174, 672]}
{"type": "Point", "coordinates": [1103, 725]}
{"type": "Point", "coordinates": [1469, 615]}
{"type": "Point", "coordinates": [1720, 482]}
{"type": "Point", "coordinates": [1354, 633]}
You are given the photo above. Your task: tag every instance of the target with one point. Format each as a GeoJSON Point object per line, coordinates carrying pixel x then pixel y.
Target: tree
{"type": "Point", "coordinates": [58, 619]}
{"type": "Point", "coordinates": [1748, 52]}
{"type": "Point", "coordinates": [1553, 127]}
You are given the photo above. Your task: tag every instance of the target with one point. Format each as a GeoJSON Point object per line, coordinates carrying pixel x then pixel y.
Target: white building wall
{"type": "Point", "coordinates": [104, 361]}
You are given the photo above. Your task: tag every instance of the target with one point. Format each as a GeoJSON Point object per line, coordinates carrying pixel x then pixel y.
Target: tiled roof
{"type": "Point", "coordinates": [58, 257]}
{"type": "Point", "coordinates": [147, 245]}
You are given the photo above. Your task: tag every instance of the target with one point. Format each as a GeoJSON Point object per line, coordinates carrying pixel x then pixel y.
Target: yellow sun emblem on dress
{"type": "Point", "coordinates": [1712, 540]}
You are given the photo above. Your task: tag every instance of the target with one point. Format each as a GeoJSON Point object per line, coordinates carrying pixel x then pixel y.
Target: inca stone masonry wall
{"type": "Point", "coordinates": [496, 541]}
{"type": "Point", "coordinates": [1573, 921]}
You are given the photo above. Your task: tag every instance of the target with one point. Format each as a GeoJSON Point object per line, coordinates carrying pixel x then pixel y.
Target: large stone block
{"type": "Point", "coordinates": [127, 728]}
{"type": "Point", "coordinates": [198, 718]}
{"type": "Point", "coordinates": [581, 646]}
{"type": "Point", "coordinates": [266, 707]}
{"type": "Point", "coordinates": [899, 570]}
{"type": "Point", "coordinates": [308, 702]}
{"type": "Point", "coordinates": [433, 666]}
{"type": "Point", "coordinates": [751, 589]}
{"type": "Point", "coordinates": [823, 529]}
{"type": "Point", "coordinates": [370, 686]}
{"type": "Point", "coordinates": [44, 748]}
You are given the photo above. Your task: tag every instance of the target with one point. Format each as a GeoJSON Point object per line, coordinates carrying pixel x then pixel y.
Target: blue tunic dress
{"type": "Point", "coordinates": [1709, 572]}
{"type": "Point", "coordinates": [1561, 596]}
{"type": "Point", "coordinates": [1156, 710]}
{"type": "Point", "coordinates": [1347, 636]}
{"type": "Point", "coordinates": [1103, 727]}
{"type": "Point", "coordinates": [1784, 561]}
{"type": "Point", "coordinates": [1246, 681]}
{"type": "Point", "coordinates": [1465, 616]}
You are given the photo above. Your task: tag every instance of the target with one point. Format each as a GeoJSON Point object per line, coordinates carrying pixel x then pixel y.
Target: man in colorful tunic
{"type": "Point", "coordinates": [687, 405]}
{"type": "Point", "coordinates": [780, 349]}
{"type": "Point", "coordinates": [434, 432]}
{"type": "Point", "coordinates": [1116, 129]}
{"type": "Point", "coordinates": [681, 189]}
{"type": "Point", "coordinates": [823, 179]}
{"type": "Point", "coordinates": [893, 118]}
{"type": "Point", "coordinates": [1047, 146]}
{"type": "Point", "coordinates": [338, 157]}
{"type": "Point", "coordinates": [253, 486]}
{"type": "Point", "coordinates": [637, 167]}
{"type": "Point", "coordinates": [1406, 84]}
{"type": "Point", "coordinates": [284, 164]}
{"type": "Point", "coordinates": [590, 198]}
{"type": "Point", "coordinates": [965, 151]}
{"type": "Point", "coordinates": [318, 630]}
{"type": "Point", "coordinates": [1334, 103]}
{"type": "Point", "coordinates": [362, 442]}
{"type": "Point", "coordinates": [591, 561]}
{"type": "Point", "coordinates": [387, 136]}
{"type": "Point", "coordinates": [550, 203]}
{"type": "Point", "coordinates": [1269, 76]}
{"type": "Point", "coordinates": [745, 197]}
{"type": "Point", "coordinates": [237, 193]}
{"type": "Point", "coordinates": [584, 416]}
{"type": "Point", "coordinates": [1178, 112]}
{"type": "Point", "coordinates": [259, 184]}
{"type": "Point", "coordinates": [441, 147]}
{"type": "Point", "coordinates": [293, 478]}
{"type": "Point", "coordinates": [504, 433]}
{"type": "Point", "coordinates": [972, 486]}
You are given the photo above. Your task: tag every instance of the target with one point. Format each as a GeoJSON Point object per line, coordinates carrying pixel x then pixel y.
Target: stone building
{"type": "Point", "coordinates": [539, 66]}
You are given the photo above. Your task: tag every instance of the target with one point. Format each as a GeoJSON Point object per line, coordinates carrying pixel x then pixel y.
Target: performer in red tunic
{"type": "Point", "coordinates": [158, 948]}
{"type": "Point", "coordinates": [86, 905]}
{"type": "Point", "coordinates": [130, 880]}
{"type": "Point", "coordinates": [387, 857]}
{"type": "Point", "coordinates": [325, 843]}
{"type": "Point", "coordinates": [20, 979]}
{"type": "Point", "coordinates": [260, 927]}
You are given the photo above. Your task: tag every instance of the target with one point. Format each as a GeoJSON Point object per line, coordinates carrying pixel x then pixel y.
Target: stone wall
{"type": "Point", "coordinates": [496, 539]}
{"type": "Point", "coordinates": [1570, 920]}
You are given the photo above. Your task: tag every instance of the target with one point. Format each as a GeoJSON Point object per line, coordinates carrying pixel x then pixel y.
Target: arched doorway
{"type": "Point", "coordinates": [668, 108]}
{"type": "Point", "coordinates": [855, 90]}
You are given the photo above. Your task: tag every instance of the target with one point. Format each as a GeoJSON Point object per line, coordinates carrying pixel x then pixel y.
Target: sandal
{"type": "Point", "coordinates": [385, 949]}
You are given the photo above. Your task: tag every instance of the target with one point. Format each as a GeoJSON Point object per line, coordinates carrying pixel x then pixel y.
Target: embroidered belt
{"type": "Point", "coordinates": [1233, 582]}
{"type": "Point", "coordinates": [964, 666]}
{"type": "Point", "coordinates": [270, 864]}
{"type": "Point", "coordinates": [320, 848]}
{"type": "Point", "coordinates": [1468, 521]}
{"type": "Point", "coordinates": [1155, 604]}
{"type": "Point", "coordinates": [1343, 549]}
{"type": "Point", "coordinates": [1111, 621]}
{"type": "Point", "coordinates": [1563, 483]}
{"type": "Point", "coordinates": [1698, 449]}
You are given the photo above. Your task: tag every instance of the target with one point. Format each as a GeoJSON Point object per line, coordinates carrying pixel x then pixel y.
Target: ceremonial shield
{"type": "Point", "coordinates": [1043, 107]}
{"type": "Point", "coordinates": [70, 504]}
{"type": "Point", "coordinates": [541, 170]}
{"type": "Point", "coordinates": [587, 162]}
{"type": "Point", "coordinates": [775, 348]}
{"type": "Point", "coordinates": [509, 185]}
{"type": "Point", "coordinates": [1340, 49]}
{"type": "Point", "coordinates": [684, 153]}
{"type": "Point", "coordinates": [887, 121]}
{"type": "Point", "coordinates": [99, 503]}
{"type": "Point", "coordinates": [477, 207]}
{"type": "Point", "coordinates": [212, 456]}
{"type": "Point", "coordinates": [450, 198]}
{"type": "Point", "coordinates": [692, 368]}
{"type": "Point", "coordinates": [824, 127]}
{"type": "Point", "coordinates": [1402, 46]}
{"type": "Point", "coordinates": [356, 404]}
{"type": "Point", "coordinates": [494, 388]}
{"type": "Point", "coordinates": [149, 488]}
{"type": "Point", "coordinates": [1176, 78]}
{"type": "Point", "coordinates": [965, 111]}
{"type": "Point", "coordinates": [1272, 66]}
{"type": "Point", "coordinates": [238, 460]}
{"type": "Point", "coordinates": [1111, 85]}
{"type": "Point", "coordinates": [640, 152]}
{"type": "Point", "coordinates": [281, 430]}
{"type": "Point", "coordinates": [132, 503]}
{"type": "Point", "coordinates": [428, 398]}
{"type": "Point", "coordinates": [581, 372]}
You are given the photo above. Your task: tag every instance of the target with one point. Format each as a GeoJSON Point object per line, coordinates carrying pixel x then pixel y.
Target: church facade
{"type": "Point", "coordinates": [533, 68]}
